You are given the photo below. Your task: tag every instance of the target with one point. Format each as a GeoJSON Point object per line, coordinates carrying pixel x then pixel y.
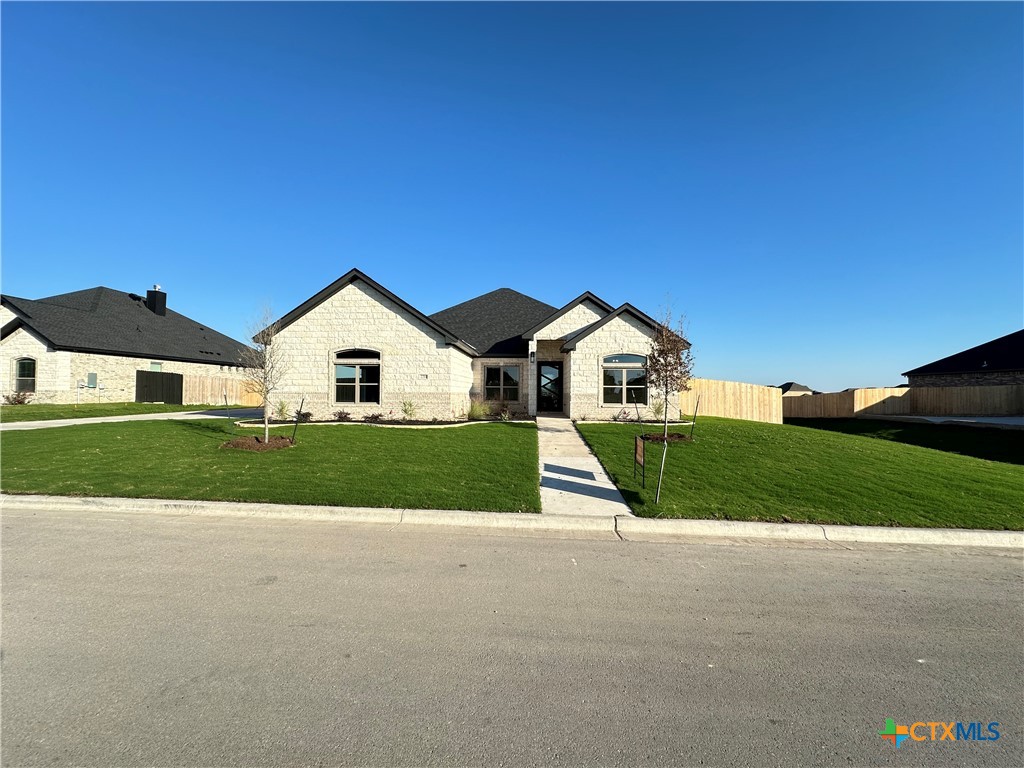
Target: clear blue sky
{"type": "Point", "coordinates": [832, 193]}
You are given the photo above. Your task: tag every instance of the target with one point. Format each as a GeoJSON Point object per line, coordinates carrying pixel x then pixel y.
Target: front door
{"type": "Point", "coordinates": [549, 386]}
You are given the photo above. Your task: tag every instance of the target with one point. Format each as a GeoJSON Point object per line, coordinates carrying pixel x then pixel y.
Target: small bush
{"type": "Point", "coordinates": [373, 417]}
{"type": "Point", "coordinates": [658, 409]}
{"type": "Point", "coordinates": [342, 416]}
{"type": "Point", "coordinates": [408, 410]}
{"type": "Point", "coordinates": [18, 398]}
{"type": "Point", "coordinates": [505, 414]}
{"type": "Point", "coordinates": [622, 415]}
{"type": "Point", "coordinates": [304, 416]}
{"type": "Point", "coordinates": [478, 409]}
{"type": "Point", "coordinates": [282, 411]}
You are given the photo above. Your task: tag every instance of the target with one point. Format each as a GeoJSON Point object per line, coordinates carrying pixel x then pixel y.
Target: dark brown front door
{"type": "Point", "coordinates": [549, 386]}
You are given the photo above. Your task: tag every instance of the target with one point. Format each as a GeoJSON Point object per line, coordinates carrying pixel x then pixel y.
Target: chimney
{"type": "Point", "coordinates": [156, 300]}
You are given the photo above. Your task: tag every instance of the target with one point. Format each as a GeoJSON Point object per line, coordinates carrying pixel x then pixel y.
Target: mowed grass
{"type": "Point", "coordinates": [741, 470]}
{"type": "Point", "coordinates": [52, 411]}
{"type": "Point", "coordinates": [479, 467]}
{"type": "Point", "coordinates": [981, 442]}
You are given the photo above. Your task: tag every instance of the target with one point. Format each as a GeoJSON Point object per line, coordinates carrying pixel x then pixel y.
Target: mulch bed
{"type": "Point", "coordinates": [672, 438]}
{"type": "Point", "coordinates": [253, 443]}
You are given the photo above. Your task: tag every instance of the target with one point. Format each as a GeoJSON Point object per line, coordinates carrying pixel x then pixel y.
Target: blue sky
{"type": "Point", "coordinates": [831, 193]}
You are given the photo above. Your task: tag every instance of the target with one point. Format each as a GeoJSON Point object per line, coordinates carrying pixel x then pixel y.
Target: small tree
{"type": "Point", "coordinates": [669, 368]}
{"type": "Point", "coordinates": [263, 364]}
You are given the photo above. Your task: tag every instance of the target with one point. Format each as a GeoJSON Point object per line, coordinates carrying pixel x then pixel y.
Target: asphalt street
{"type": "Point", "coordinates": [133, 640]}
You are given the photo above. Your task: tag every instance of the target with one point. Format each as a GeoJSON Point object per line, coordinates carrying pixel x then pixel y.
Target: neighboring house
{"type": "Point", "coordinates": [357, 347]}
{"type": "Point", "coordinates": [792, 389]}
{"type": "Point", "coordinates": [92, 345]}
{"type": "Point", "coordinates": [1000, 361]}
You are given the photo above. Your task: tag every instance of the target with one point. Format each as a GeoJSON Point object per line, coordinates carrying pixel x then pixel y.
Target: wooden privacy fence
{"type": "Point", "coordinates": [733, 400]}
{"type": "Point", "coordinates": [1001, 400]}
{"type": "Point", "coordinates": [210, 390]}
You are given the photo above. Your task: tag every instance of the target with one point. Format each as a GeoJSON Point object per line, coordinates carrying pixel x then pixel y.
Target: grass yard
{"type": "Point", "coordinates": [481, 467]}
{"type": "Point", "coordinates": [52, 411]}
{"type": "Point", "coordinates": [742, 470]}
{"type": "Point", "coordinates": [990, 443]}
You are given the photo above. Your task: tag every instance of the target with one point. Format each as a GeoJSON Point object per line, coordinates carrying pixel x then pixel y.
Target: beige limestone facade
{"type": "Point", "coordinates": [59, 371]}
{"type": "Point", "coordinates": [416, 364]}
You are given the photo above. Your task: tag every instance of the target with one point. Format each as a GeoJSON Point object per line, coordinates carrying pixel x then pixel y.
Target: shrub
{"type": "Point", "coordinates": [282, 411]}
{"type": "Point", "coordinates": [373, 417]}
{"type": "Point", "coordinates": [478, 409]}
{"type": "Point", "coordinates": [408, 409]}
{"type": "Point", "coordinates": [304, 416]}
{"type": "Point", "coordinates": [342, 416]}
{"type": "Point", "coordinates": [658, 408]}
{"type": "Point", "coordinates": [505, 414]}
{"type": "Point", "coordinates": [622, 415]}
{"type": "Point", "coordinates": [18, 398]}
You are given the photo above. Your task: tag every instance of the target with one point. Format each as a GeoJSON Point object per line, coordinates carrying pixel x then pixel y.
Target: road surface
{"type": "Point", "coordinates": [135, 640]}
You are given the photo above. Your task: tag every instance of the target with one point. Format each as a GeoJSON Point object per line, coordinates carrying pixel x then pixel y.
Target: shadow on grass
{"type": "Point", "coordinates": [213, 431]}
{"type": "Point", "coordinates": [1003, 445]}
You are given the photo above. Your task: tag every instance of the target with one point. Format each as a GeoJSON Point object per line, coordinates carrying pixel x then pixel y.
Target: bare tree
{"type": "Point", "coordinates": [263, 363]}
{"type": "Point", "coordinates": [669, 368]}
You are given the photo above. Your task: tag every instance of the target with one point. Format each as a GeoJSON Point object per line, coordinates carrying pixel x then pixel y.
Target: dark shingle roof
{"type": "Point", "coordinates": [106, 321]}
{"type": "Point", "coordinates": [1003, 354]}
{"type": "Point", "coordinates": [495, 322]}
{"type": "Point", "coordinates": [792, 386]}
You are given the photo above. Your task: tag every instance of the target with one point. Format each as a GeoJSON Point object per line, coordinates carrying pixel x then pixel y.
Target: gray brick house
{"type": "Point", "coordinates": [1000, 361]}
{"type": "Point", "coordinates": [355, 346]}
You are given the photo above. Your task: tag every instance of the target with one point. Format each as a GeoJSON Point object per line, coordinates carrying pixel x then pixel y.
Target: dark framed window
{"type": "Point", "coordinates": [624, 380]}
{"type": "Point", "coordinates": [357, 376]}
{"type": "Point", "coordinates": [501, 382]}
{"type": "Point", "coordinates": [25, 375]}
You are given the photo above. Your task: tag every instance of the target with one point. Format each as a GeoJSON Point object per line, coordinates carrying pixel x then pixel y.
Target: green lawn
{"type": "Point", "coordinates": [482, 467]}
{"type": "Point", "coordinates": [742, 470]}
{"type": "Point", "coordinates": [51, 411]}
{"type": "Point", "coordinates": [981, 442]}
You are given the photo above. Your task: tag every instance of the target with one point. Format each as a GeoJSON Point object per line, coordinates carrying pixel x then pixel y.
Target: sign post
{"type": "Point", "coordinates": [638, 459]}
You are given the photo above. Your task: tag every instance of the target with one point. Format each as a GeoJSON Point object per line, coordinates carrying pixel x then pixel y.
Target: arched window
{"type": "Point", "coordinates": [25, 375]}
{"type": "Point", "coordinates": [624, 380]}
{"type": "Point", "coordinates": [357, 376]}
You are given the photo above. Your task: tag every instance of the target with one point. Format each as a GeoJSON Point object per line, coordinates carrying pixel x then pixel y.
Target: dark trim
{"type": "Point", "coordinates": [629, 309]}
{"type": "Point", "coordinates": [350, 277]}
{"type": "Point", "coordinates": [19, 322]}
{"type": "Point", "coordinates": [587, 296]}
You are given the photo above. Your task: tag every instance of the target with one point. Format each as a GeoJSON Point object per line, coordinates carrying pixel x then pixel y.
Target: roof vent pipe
{"type": "Point", "coordinates": [156, 301]}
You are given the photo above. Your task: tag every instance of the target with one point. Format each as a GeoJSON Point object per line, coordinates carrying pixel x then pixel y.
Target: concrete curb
{"type": "Point", "coordinates": [623, 527]}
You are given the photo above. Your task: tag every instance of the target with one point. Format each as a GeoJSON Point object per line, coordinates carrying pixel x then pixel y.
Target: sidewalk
{"type": "Point", "coordinates": [238, 413]}
{"type": "Point", "coordinates": [572, 480]}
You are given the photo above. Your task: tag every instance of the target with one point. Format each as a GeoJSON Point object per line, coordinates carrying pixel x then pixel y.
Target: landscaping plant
{"type": "Point", "coordinates": [669, 368]}
{"type": "Point", "coordinates": [262, 363]}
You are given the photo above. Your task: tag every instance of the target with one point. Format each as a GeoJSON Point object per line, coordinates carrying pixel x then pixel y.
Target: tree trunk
{"type": "Point", "coordinates": [664, 451]}
{"type": "Point", "coordinates": [266, 421]}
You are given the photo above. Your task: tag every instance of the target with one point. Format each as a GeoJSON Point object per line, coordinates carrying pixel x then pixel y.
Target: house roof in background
{"type": "Point", "coordinates": [1003, 354]}
{"type": "Point", "coordinates": [792, 386]}
{"type": "Point", "coordinates": [352, 276]}
{"type": "Point", "coordinates": [102, 320]}
{"type": "Point", "coordinates": [588, 296]}
{"type": "Point", "coordinates": [494, 323]}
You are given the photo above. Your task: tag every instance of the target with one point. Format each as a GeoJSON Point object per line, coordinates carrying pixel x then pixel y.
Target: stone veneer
{"type": "Point", "coordinates": [416, 363]}
{"type": "Point", "coordinates": [623, 335]}
{"type": "Point", "coordinates": [58, 372]}
{"type": "Point", "coordinates": [518, 407]}
{"type": "Point", "coordinates": [968, 379]}
{"type": "Point", "coordinates": [547, 343]}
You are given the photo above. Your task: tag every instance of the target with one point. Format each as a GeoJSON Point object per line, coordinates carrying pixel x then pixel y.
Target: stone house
{"type": "Point", "coordinates": [1000, 361]}
{"type": "Point", "coordinates": [102, 345]}
{"type": "Point", "coordinates": [355, 346]}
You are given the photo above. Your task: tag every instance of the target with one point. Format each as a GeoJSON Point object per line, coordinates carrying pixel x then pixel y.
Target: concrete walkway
{"type": "Point", "coordinates": [572, 481]}
{"type": "Point", "coordinates": [237, 413]}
